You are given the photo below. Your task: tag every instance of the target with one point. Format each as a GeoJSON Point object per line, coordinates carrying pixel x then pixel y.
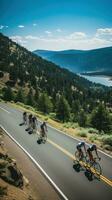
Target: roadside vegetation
{"type": "Point", "coordinates": [89, 134]}
{"type": "Point", "coordinates": [65, 100]}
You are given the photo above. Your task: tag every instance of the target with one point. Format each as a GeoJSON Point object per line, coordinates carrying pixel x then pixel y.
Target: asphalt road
{"type": "Point", "coordinates": [55, 157]}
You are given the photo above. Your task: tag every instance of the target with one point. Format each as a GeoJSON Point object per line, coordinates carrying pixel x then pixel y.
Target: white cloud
{"type": "Point", "coordinates": [20, 26]}
{"type": "Point", "coordinates": [1, 27]}
{"type": "Point", "coordinates": [76, 36]}
{"type": "Point", "coordinates": [59, 30]}
{"type": "Point", "coordinates": [75, 40]}
{"type": "Point", "coordinates": [19, 39]}
{"type": "Point", "coordinates": [49, 33]}
{"type": "Point", "coordinates": [30, 37]}
{"type": "Point", "coordinates": [34, 24]}
{"type": "Point", "coordinates": [104, 31]}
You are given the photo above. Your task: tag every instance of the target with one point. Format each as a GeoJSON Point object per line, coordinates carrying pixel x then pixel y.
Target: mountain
{"type": "Point", "coordinates": [24, 66]}
{"type": "Point", "coordinates": [81, 61]}
{"type": "Point", "coordinates": [22, 69]}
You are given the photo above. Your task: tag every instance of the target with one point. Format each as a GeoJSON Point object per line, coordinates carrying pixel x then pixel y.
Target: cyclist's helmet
{"type": "Point", "coordinates": [81, 144]}
{"type": "Point", "coordinates": [94, 147]}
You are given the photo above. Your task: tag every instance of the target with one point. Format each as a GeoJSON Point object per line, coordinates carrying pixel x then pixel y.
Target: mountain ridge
{"type": "Point", "coordinates": [80, 61]}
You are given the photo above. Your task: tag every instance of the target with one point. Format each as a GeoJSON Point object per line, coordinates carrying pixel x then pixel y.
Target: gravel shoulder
{"type": "Point", "coordinates": [38, 186]}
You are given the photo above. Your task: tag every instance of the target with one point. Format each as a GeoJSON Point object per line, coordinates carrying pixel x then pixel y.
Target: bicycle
{"type": "Point", "coordinates": [94, 167]}
{"type": "Point", "coordinates": [79, 157]}
{"type": "Point", "coordinates": [91, 166]}
{"type": "Point", "coordinates": [42, 137]}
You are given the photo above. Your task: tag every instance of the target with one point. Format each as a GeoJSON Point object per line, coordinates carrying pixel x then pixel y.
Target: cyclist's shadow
{"type": "Point", "coordinates": [77, 167]}
{"type": "Point", "coordinates": [88, 174]}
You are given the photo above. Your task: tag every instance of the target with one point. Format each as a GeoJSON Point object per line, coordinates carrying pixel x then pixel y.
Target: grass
{"type": "Point", "coordinates": [90, 135]}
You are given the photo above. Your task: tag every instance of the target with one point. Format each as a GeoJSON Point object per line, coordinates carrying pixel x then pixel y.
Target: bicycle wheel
{"type": "Point", "coordinates": [97, 169]}
{"type": "Point", "coordinates": [44, 138]}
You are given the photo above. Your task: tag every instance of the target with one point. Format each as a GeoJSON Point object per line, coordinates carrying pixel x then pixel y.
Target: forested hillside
{"type": "Point", "coordinates": [81, 61]}
{"type": "Point", "coordinates": [28, 78]}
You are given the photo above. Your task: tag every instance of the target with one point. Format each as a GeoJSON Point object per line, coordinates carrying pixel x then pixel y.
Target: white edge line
{"type": "Point", "coordinates": [40, 168]}
{"type": "Point", "coordinates": [74, 138]}
{"type": "Point", "coordinates": [5, 110]}
{"type": "Point", "coordinates": [78, 140]}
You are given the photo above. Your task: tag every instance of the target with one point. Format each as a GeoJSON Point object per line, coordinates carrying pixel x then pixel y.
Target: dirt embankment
{"type": "Point", "coordinates": [15, 166]}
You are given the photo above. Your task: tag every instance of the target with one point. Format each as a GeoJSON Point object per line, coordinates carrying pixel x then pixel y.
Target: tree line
{"type": "Point", "coordinates": [99, 118]}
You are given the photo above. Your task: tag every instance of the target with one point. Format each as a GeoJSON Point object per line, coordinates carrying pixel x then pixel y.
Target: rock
{"type": "Point", "coordinates": [13, 161]}
{"type": "Point", "coordinates": [3, 164]}
{"type": "Point", "coordinates": [12, 175]}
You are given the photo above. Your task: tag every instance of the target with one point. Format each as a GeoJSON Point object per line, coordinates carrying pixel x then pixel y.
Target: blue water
{"type": "Point", "coordinates": [99, 79]}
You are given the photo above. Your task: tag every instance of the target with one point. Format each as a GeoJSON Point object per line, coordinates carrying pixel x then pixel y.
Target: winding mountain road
{"type": "Point", "coordinates": [56, 159]}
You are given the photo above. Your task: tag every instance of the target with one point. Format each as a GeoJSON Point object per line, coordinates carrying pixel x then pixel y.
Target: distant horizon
{"type": "Point", "coordinates": [72, 49]}
{"type": "Point", "coordinates": [57, 25]}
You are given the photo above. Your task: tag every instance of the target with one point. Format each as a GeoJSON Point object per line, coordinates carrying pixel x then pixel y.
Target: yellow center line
{"type": "Point", "coordinates": [103, 178]}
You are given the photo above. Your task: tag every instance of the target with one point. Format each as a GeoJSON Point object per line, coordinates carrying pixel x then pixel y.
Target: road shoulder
{"type": "Point", "coordinates": [38, 184]}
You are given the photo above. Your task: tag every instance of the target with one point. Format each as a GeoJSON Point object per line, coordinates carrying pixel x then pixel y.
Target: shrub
{"type": "Point", "coordinates": [107, 140]}
{"type": "Point", "coordinates": [93, 138]}
{"type": "Point", "coordinates": [3, 191]}
{"type": "Point", "coordinates": [92, 130]}
{"type": "Point", "coordinates": [52, 115]}
{"type": "Point", "coordinates": [82, 134]}
{"type": "Point", "coordinates": [108, 147]}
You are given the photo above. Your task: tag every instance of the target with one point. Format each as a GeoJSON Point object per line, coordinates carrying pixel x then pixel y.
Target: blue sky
{"type": "Point", "coordinates": [57, 24]}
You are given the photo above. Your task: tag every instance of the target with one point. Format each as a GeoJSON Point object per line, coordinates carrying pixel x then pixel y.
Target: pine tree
{"type": "Point", "coordinates": [82, 118]}
{"type": "Point", "coordinates": [44, 103]}
{"type": "Point", "coordinates": [100, 119]}
{"type": "Point", "coordinates": [76, 106]}
{"type": "Point", "coordinates": [30, 98]}
{"type": "Point", "coordinates": [62, 109]}
{"type": "Point", "coordinates": [8, 94]}
{"type": "Point", "coordinates": [20, 96]}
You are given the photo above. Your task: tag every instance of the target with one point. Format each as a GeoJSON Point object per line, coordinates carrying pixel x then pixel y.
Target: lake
{"type": "Point", "coordinates": [99, 79]}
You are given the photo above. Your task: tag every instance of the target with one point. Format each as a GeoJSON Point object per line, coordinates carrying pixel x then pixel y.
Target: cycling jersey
{"type": "Point", "coordinates": [91, 148]}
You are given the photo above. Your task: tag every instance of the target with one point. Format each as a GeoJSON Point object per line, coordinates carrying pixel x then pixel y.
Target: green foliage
{"type": "Point", "coordinates": [100, 119]}
{"type": "Point", "coordinates": [82, 118]}
{"type": "Point", "coordinates": [82, 133]}
{"type": "Point", "coordinates": [43, 77]}
{"type": "Point", "coordinates": [20, 97]}
{"type": "Point", "coordinates": [92, 131]}
{"type": "Point", "coordinates": [62, 109]}
{"type": "Point", "coordinates": [52, 115]}
{"type": "Point", "coordinates": [92, 138]}
{"type": "Point", "coordinates": [30, 98]}
{"type": "Point", "coordinates": [44, 103]}
{"type": "Point", "coordinates": [107, 140]}
{"type": "Point", "coordinates": [8, 94]}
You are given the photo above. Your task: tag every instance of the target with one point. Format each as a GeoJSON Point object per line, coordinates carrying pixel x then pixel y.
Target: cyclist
{"type": "Point", "coordinates": [25, 118]}
{"type": "Point", "coordinates": [43, 129]}
{"type": "Point", "coordinates": [79, 147]}
{"type": "Point", "coordinates": [90, 150]}
{"type": "Point", "coordinates": [34, 123]}
{"type": "Point", "coordinates": [29, 121]}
